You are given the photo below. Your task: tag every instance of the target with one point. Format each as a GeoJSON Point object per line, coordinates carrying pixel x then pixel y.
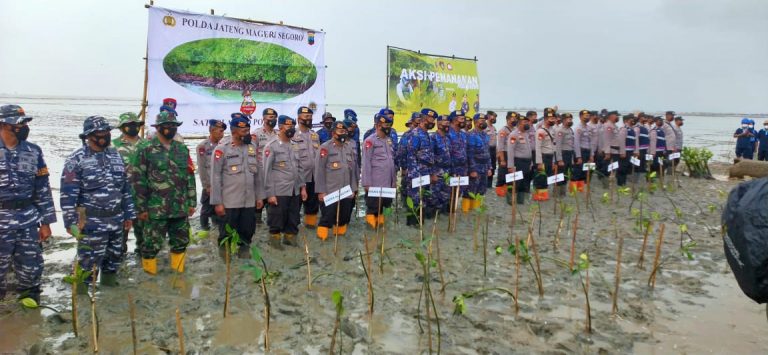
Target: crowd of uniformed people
{"type": "Point", "coordinates": [112, 185]}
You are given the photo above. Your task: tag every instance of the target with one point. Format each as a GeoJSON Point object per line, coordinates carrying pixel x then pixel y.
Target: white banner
{"type": "Point", "coordinates": [214, 66]}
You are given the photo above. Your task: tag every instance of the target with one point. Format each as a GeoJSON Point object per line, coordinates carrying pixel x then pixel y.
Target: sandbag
{"type": "Point", "coordinates": [745, 218]}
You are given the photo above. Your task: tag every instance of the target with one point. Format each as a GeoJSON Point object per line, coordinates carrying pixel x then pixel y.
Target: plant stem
{"type": "Point", "coordinates": [573, 242]}
{"type": "Point", "coordinates": [227, 258]}
{"type": "Point", "coordinates": [267, 304]}
{"type": "Point", "coordinates": [615, 306]}
{"type": "Point", "coordinates": [485, 248]}
{"type": "Point", "coordinates": [474, 233]}
{"type": "Point", "coordinates": [309, 268]}
{"type": "Point", "coordinates": [94, 320]}
{"type": "Point", "coordinates": [585, 287]}
{"type": "Point", "coordinates": [426, 305]}
{"type": "Point", "coordinates": [74, 296]}
{"type": "Point", "coordinates": [537, 272]}
{"type": "Point", "coordinates": [660, 241]}
{"type": "Point", "coordinates": [132, 312]}
{"type": "Point", "coordinates": [645, 242]}
{"type": "Point", "coordinates": [517, 274]}
{"type": "Point", "coordinates": [180, 331]}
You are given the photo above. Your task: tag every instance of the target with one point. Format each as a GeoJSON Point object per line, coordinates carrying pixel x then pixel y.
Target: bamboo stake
{"type": "Point", "coordinates": [538, 262]}
{"type": "Point", "coordinates": [514, 206]}
{"type": "Point", "coordinates": [517, 273]}
{"type": "Point", "coordinates": [573, 242]}
{"type": "Point", "coordinates": [227, 258]}
{"type": "Point", "coordinates": [336, 227]}
{"type": "Point", "coordinates": [309, 268]}
{"type": "Point", "coordinates": [660, 241]}
{"type": "Point", "coordinates": [132, 312]}
{"type": "Point", "coordinates": [474, 233]}
{"type": "Point", "coordinates": [450, 210]}
{"type": "Point", "coordinates": [368, 275]}
{"type": "Point", "coordinates": [180, 331]}
{"type": "Point", "coordinates": [74, 297]}
{"type": "Point", "coordinates": [645, 242]}
{"type": "Point", "coordinates": [439, 263]}
{"type": "Point", "coordinates": [615, 306]}
{"type": "Point", "coordinates": [485, 248]}
{"type": "Point", "coordinates": [94, 319]}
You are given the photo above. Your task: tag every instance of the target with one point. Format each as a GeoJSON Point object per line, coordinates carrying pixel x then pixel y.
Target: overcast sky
{"type": "Point", "coordinates": [686, 55]}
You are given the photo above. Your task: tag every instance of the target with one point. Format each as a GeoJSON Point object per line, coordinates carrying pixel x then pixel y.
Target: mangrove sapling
{"type": "Point", "coordinates": [132, 314]}
{"type": "Point", "coordinates": [258, 268]}
{"type": "Point", "coordinates": [368, 277]}
{"type": "Point", "coordinates": [427, 263]}
{"type": "Point", "coordinates": [231, 244]}
{"type": "Point", "coordinates": [517, 276]}
{"type": "Point", "coordinates": [306, 256]}
{"type": "Point", "coordinates": [30, 303]}
{"type": "Point", "coordinates": [485, 246]}
{"type": "Point", "coordinates": [180, 331]}
{"type": "Point", "coordinates": [615, 305]}
{"type": "Point", "coordinates": [522, 254]}
{"type": "Point", "coordinates": [659, 243]}
{"type": "Point", "coordinates": [437, 247]}
{"type": "Point", "coordinates": [338, 301]}
{"type": "Point", "coordinates": [645, 243]}
{"type": "Point", "coordinates": [573, 241]}
{"type": "Point", "coordinates": [536, 258]}
{"type": "Point", "coordinates": [476, 197]}
{"type": "Point", "coordinates": [584, 266]}
{"type": "Point", "coordinates": [460, 306]}
{"type": "Point", "coordinates": [78, 277]}
{"type": "Point", "coordinates": [387, 212]}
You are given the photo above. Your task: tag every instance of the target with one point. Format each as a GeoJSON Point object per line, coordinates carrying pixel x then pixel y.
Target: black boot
{"type": "Point", "coordinates": [258, 218]}
{"type": "Point", "coordinates": [521, 197]}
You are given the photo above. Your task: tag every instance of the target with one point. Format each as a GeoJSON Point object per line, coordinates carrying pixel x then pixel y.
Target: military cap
{"type": "Point", "coordinates": [629, 116]}
{"type": "Point", "coordinates": [217, 123]}
{"type": "Point", "coordinates": [383, 118]}
{"type": "Point", "coordinates": [239, 122]}
{"type": "Point", "coordinates": [166, 117]}
{"type": "Point", "coordinates": [658, 118]}
{"type": "Point", "coordinates": [170, 102]}
{"type": "Point", "coordinates": [13, 114]}
{"type": "Point", "coordinates": [350, 114]}
{"type": "Point", "coordinates": [455, 114]}
{"type": "Point", "coordinates": [442, 118]}
{"type": "Point", "coordinates": [478, 116]}
{"type": "Point", "coordinates": [94, 124]}
{"type": "Point", "coordinates": [530, 113]}
{"type": "Point", "coordinates": [513, 114]}
{"type": "Point", "coordinates": [169, 109]}
{"type": "Point", "coordinates": [269, 111]}
{"type": "Point", "coordinates": [328, 115]}
{"type": "Point", "coordinates": [386, 111]}
{"type": "Point", "coordinates": [129, 117]}
{"type": "Point", "coordinates": [745, 120]}
{"type": "Point", "coordinates": [550, 114]}
{"type": "Point", "coordinates": [567, 115]}
{"type": "Point", "coordinates": [304, 109]}
{"type": "Point", "coordinates": [612, 113]}
{"type": "Point", "coordinates": [584, 112]}
{"type": "Point", "coordinates": [679, 118]}
{"type": "Point", "coordinates": [549, 109]}
{"type": "Point", "coordinates": [429, 112]}
{"type": "Point", "coordinates": [593, 113]}
{"type": "Point", "coordinates": [340, 125]}
{"type": "Point", "coordinates": [283, 119]}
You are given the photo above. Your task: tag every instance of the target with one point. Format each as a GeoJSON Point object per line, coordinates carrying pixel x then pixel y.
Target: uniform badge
{"type": "Point", "coordinates": [233, 168]}
{"type": "Point", "coordinates": [323, 152]}
{"type": "Point", "coordinates": [266, 152]}
{"type": "Point", "coordinates": [190, 165]}
{"type": "Point", "coordinates": [541, 136]}
{"type": "Point", "coordinates": [281, 164]}
{"type": "Point", "coordinates": [201, 150]}
{"type": "Point", "coordinates": [609, 129]}
{"type": "Point", "coordinates": [315, 145]}
{"type": "Point", "coordinates": [503, 134]}
{"type": "Point", "coordinates": [559, 134]}
{"type": "Point", "coordinates": [217, 154]}
{"type": "Point", "coordinates": [368, 144]}
{"type": "Point", "coordinates": [251, 150]}
{"type": "Point", "coordinates": [512, 140]}
{"type": "Point", "coordinates": [334, 165]}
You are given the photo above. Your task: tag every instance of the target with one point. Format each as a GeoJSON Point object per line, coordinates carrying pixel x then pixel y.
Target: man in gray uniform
{"type": "Point", "coordinates": [236, 183]}
{"type": "Point", "coordinates": [335, 168]}
{"type": "Point", "coordinates": [262, 136]}
{"type": "Point", "coordinates": [611, 143]}
{"type": "Point", "coordinates": [378, 169]}
{"type": "Point", "coordinates": [568, 151]}
{"type": "Point", "coordinates": [204, 151]}
{"type": "Point", "coordinates": [283, 184]}
{"type": "Point", "coordinates": [309, 143]}
{"type": "Point", "coordinates": [519, 154]}
{"type": "Point", "coordinates": [545, 156]}
{"type": "Point", "coordinates": [501, 152]}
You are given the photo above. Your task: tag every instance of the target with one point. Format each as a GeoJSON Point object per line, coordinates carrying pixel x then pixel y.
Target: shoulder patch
{"type": "Point", "coordinates": [368, 144]}
{"type": "Point", "coordinates": [43, 171]}
{"type": "Point", "coordinates": [609, 129]}
{"type": "Point", "coordinates": [512, 140]}
{"type": "Point", "coordinates": [218, 154]}
{"type": "Point", "coordinates": [323, 152]}
{"type": "Point", "coordinates": [201, 150]}
{"type": "Point", "coordinates": [266, 152]}
{"type": "Point", "coordinates": [190, 165]}
{"type": "Point", "coordinates": [541, 136]}
{"type": "Point", "coordinates": [503, 134]}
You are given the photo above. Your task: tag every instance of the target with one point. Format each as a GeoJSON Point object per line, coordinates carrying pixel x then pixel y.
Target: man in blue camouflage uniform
{"type": "Point", "coordinates": [26, 204]}
{"type": "Point", "coordinates": [459, 165]}
{"type": "Point", "coordinates": [96, 199]}
{"type": "Point", "coordinates": [419, 159]}
{"type": "Point", "coordinates": [441, 149]}
{"type": "Point", "coordinates": [401, 154]}
{"type": "Point", "coordinates": [478, 158]}
{"type": "Point", "coordinates": [326, 133]}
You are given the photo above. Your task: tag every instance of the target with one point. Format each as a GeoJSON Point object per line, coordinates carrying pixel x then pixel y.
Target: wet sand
{"type": "Point", "coordinates": [696, 305]}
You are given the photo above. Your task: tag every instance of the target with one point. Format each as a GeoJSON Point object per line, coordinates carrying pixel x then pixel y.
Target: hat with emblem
{"type": "Point", "coordinates": [550, 114]}
{"type": "Point", "coordinates": [442, 118]}
{"type": "Point", "coordinates": [350, 114]}
{"type": "Point", "coordinates": [478, 116]}
{"type": "Point", "coordinates": [269, 111]}
{"type": "Point", "coordinates": [94, 124]}
{"type": "Point", "coordinates": [166, 117]}
{"type": "Point", "coordinates": [283, 119]}
{"type": "Point", "coordinates": [129, 117]}
{"type": "Point", "coordinates": [383, 118]}
{"type": "Point", "coordinates": [170, 102]}
{"type": "Point", "coordinates": [455, 114]}
{"type": "Point", "coordinates": [340, 125]}
{"type": "Point", "coordinates": [304, 109]}
{"type": "Point", "coordinates": [239, 121]}
{"type": "Point", "coordinates": [169, 109]}
{"type": "Point", "coordinates": [13, 114]}
{"type": "Point", "coordinates": [386, 111]}
{"type": "Point", "coordinates": [513, 114]}
{"type": "Point", "coordinates": [530, 113]}
{"type": "Point", "coordinates": [429, 112]}
{"type": "Point", "coordinates": [217, 123]}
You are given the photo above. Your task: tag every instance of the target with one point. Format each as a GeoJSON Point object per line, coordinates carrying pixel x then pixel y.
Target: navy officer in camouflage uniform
{"type": "Point", "coordinates": [97, 201]}
{"type": "Point", "coordinates": [26, 203]}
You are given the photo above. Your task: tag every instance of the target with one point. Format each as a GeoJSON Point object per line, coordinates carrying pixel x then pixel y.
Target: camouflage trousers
{"type": "Point", "coordinates": [440, 196]}
{"type": "Point", "coordinates": [22, 247]}
{"type": "Point", "coordinates": [103, 249]}
{"type": "Point", "coordinates": [155, 232]}
{"type": "Point", "coordinates": [478, 185]}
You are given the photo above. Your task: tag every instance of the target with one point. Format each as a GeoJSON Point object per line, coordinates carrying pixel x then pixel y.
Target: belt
{"type": "Point", "coordinates": [614, 147]}
{"type": "Point", "coordinates": [15, 205]}
{"type": "Point", "coordinates": [98, 212]}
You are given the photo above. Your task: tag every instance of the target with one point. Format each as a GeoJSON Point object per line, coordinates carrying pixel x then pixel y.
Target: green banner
{"type": "Point", "coordinates": [416, 80]}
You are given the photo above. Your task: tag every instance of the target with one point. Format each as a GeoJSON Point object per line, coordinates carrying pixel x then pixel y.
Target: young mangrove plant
{"type": "Point", "coordinates": [258, 268]}
{"type": "Point", "coordinates": [231, 244]}
{"type": "Point", "coordinates": [426, 262]}
{"type": "Point", "coordinates": [338, 302]}
{"type": "Point", "coordinates": [583, 266]}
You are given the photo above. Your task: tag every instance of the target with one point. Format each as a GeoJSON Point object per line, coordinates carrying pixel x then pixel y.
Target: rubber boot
{"type": "Point", "coordinates": [310, 220]}
{"type": "Point", "coordinates": [274, 241]}
{"type": "Point", "coordinates": [149, 266]}
{"type": "Point", "coordinates": [258, 218]}
{"type": "Point", "coordinates": [501, 191]}
{"type": "Point", "coordinates": [475, 204]}
{"type": "Point", "coordinates": [521, 197]}
{"type": "Point", "coordinates": [466, 203]}
{"type": "Point", "coordinates": [541, 195]}
{"type": "Point", "coordinates": [177, 261]}
{"type": "Point", "coordinates": [343, 230]}
{"type": "Point", "coordinates": [380, 220]}
{"type": "Point", "coordinates": [290, 240]}
{"type": "Point", "coordinates": [322, 232]}
{"type": "Point", "coordinates": [371, 221]}
{"type": "Point", "coordinates": [109, 279]}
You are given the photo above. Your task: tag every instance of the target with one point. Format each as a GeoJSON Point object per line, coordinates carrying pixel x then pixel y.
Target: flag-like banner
{"type": "Point", "coordinates": [416, 80]}
{"type": "Point", "coordinates": [214, 66]}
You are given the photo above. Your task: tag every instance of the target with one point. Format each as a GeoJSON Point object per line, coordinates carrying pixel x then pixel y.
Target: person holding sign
{"type": "Point", "coordinates": [519, 154]}
{"type": "Point", "coordinates": [420, 162]}
{"type": "Point", "coordinates": [284, 186]}
{"type": "Point", "coordinates": [336, 170]}
{"type": "Point", "coordinates": [479, 159]}
{"type": "Point", "coordinates": [440, 196]}
{"type": "Point", "coordinates": [545, 156]}
{"type": "Point", "coordinates": [378, 170]}
{"type": "Point", "coordinates": [458, 139]}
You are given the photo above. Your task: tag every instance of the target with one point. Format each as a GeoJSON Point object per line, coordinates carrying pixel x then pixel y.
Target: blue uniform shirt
{"type": "Point", "coordinates": [743, 142]}
{"type": "Point", "coordinates": [762, 137]}
{"type": "Point", "coordinates": [24, 180]}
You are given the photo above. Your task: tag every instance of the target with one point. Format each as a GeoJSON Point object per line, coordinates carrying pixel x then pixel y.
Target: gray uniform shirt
{"type": "Point", "coordinates": [545, 144]}
{"type": "Point", "coordinates": [236, 178]}
{"type": "Point", "coordinates": [308, 143]}
{"type": "Point", "coordinates": [491, 132]}
{"type": "Point", "coordinates": [204, 151]}
{"type": "Point", "coordinates": [503, 136]}
{"type": "Point", "coordinates": [586, 140]}
{"type": "Point", "coordinates": [678, 137]}
{"type": "Point", "coordinates": [566, 140]}
{"type": "Point", "coordinates": [670, 135]}
{"type": "Point", "coordinates": [611, 144]}
{"type": "Point", "coordinates": [335, 167]}
{"type": "Point", "coordinates": [281, 169]}
{"type": "Point", "coordinates": [262, 137]}
{"type": "Point", "coordinates": [378, 162]}
{"type": "Point", "coordinates": [518, 146]}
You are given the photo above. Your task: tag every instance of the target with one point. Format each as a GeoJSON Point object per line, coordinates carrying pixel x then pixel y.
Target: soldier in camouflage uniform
{"type": "Point", "coordinates": [478, 158]}
{"type": "Point", "coordinates": [440, 192]}
{"type": "Point", "coordinates": [97, 201]}
{"type": "Point", "coordinates": [420, 162]}
{"type": "Point", "coordinates": [204, 152]}
{"type": "Point", "coordinates": [264, 135]}
{"type": "Point", "coordinates": [459, 165]}
{"type": "Point", "coordinates": [335, 168]}
{"type": "Point", "coordinates": [127, 144]}
{"type": "Point", "coordinates": [26, 203]}
{"type": "Point", "coordinates": [165, 194]}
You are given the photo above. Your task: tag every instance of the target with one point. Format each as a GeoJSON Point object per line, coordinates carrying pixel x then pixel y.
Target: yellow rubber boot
{"type": "Point", "coordinates": [343, 229]}
{"type": "Point", "coordinates": [322, 233]}
{"type": "Point", "coordinates": [310, 220]}
{"type": "Point", "coordinates": [475, 204]}
{"type": "Point", "coordinates": [381, 220]}
{"type": "Point", "coordinates": [465, 204]}
{"type": "Point", "coordinates": [371, 220]}
{"type": "Point", "coordinates": [149, 266]}
{"type": "Point", "coordinates": [177, 261]}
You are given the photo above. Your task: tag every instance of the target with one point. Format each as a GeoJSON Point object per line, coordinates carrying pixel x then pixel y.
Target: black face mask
{"type": "Point", "coordinates": [102, 141]}
{"type": "Point", "coordinates": [482, 126]}
{"type": "Point", "coordinates": [246, 139]}
{"type": "Point", "coordinates": [342, 138]}
{"type": "Point", "coordinates": [569, 124]}
{"type": "Point", "coordinates": [131, 130]}
{"type": "Point", "coordinates": [462, 124]}
{"type": "Point", "coordinates": [168, 132]}
{"type": "Point", "coordinates": [306, 123]}
{"type": "Point", "coordinates": [327, 125]}
{"type": "Point", "coordinates": [386, 130]}
{"type": "Point", "coordinates": [271, 123]}
{"type": "Point", "coordinates": [443, 128]}
{"type": "Point", "coordinates": [493, 121]}
{"type": "Point", "coordinates": [21, 133]}
{"type": "Point", "coordinates": [526, 127]}
{"type": "Point", "coordinates": [289, 132]}
{"type": "Point", "coordinates": [430, 125]}
{"type": "Point", "coordinates": [514, 123]}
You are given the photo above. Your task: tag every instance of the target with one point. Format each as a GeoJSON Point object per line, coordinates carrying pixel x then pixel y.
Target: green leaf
{"type": "Point", "coordinates": [652, 175]}
{"type": "Point", "coordinates": [420, 257]}
{"type": "Point", "coordinates": [29, 303]}
{"type": "Point", "coordinates": [406, 243]}
{"type": "Point", "coordinates": [606, 197]}
{"type": "Point", "coordinates": [711, 207]}
{"type": "Point", "coordinates": [678, 213]}
{"type": "Point", "coordinates": [499, 250]}
{"type": "Point", "coordinates": [69, 279]}
{"type": "Point", "coordinates": [409, 202]}
{"type": "Point", "coordinates": [683, 228]}
{"type": "Point", "coordinates": [255, 254]}
{"type": "Point", "coordinates": [459, 306]}
{"type": "Point", "coordinates": [655, 215]}
{"type": "Point", "coordinates": [635, 212]}
{"type": "Point", "coordinates": [387, 211]}
{"type": "Point", "coordinates": [338, 301]}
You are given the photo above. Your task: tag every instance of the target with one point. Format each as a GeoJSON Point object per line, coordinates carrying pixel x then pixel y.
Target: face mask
{"type": "Point", "coordinates": [766, 126]}
{"type": "Point", "coordinates": [271, 123]}
{"type": "Point", "coordinates": [327, 125]}
{"type": "Point", "coordinates": [386, 130]}
{"type": "Point", "coordinates": [462, 124]}
{"type": "Point", "coordinates": [131, 130]}
{"type": "Point", "coordinates": [444, 128]}
{"type": "Point", "coordinates": [751, 126]}
{"type": "Point", "coordinates": [289, 132]}
{"type": "Point", "coordinates": [526, 127]}
{"type": "Point", "coordinates": [482, 126]}
{"type": "Point", "coordinates": [341, 139]}
{"type": "Point", "coordinates": [102, 141]}
{"type": "Point", "coordinates": [469, 126]}
{"type": "Point", "coordinates": [430, 125]}
{"type": "Point", "coordinates": [168, 132]}
{"type": "Point", "coordinates": [569, 124]}
{"type": "Point", "coordinates": [744, 126]}
{"type": "Point", "coordinates": [306, 123]}
{"type": "Point", "coordinates": [246, 139]}
{"type": "Point", "coordinates": [21, 133]}
{"type": "Point", "coordinates": [493, 121]}
{"type": "Point", "coordinates": [550, 123]}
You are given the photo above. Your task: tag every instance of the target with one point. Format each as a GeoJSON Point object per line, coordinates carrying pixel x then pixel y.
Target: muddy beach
{"type": "Point", "coordinates": [695, 306]}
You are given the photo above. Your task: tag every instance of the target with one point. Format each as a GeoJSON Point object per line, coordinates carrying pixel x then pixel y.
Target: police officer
{"type": "Point", "coordinates": [627, 148]}
{"type": "Point", "coordinates": [587, 145]}
{"type": "Point", "coordinates": [567, 150]}
{"type": "Point", "coordinates": [671, 135]}
{"type": "Point", "coordinates": [478, 158]}
{"type": "Point", "coordinates": [643, 144]}
{"type": "Point", "coordinates": [325, 134]}
{"type": "Point", "coordinates": [458, 138]}
{"type": "Point", "coordinates": [284, 186]}
{"type": "Point", "coordinates": [336, 168]}
{"type": "Point", "coordinates": [263, 135]}
{"type": "Point", "coordinates": [678, 128]}
{"type": "Point", "coordinates": [440, 191]}
{"type": "Point", "coordinates": [94, 181]}
{"type": "Point", "coordinates": [378, 169]}
{"type": "Point", "coordinates": [237, 187]}
{"type": "Point", "coordinates": [519, 155]}
{"type": "Point", "coordinates": [26, 203]}
{"type": "Point", "coordinates": [501, 152]}
{"type": "Point", "coordinates": [350, 119]}
{"type": "Point", "coordinates": [658, 144]}
{"type": "Point", "coordinates": [545, 156]}
{"type": "Point", "coordinates": [204, 152]}
{"type": "Point", "coordinates": [392, 132]}
{"type": "Point", "coordinates": [612, 143]}
{"type": "Point", "coordinates": [308, 144]}
{"type": "Point", "coordinates": [165, 194]}
{"type": "Point", "coordinates": [743, 137]}
{"type": "Point", "coordinates": [490, 120]}
{"type": "Point", "coordinates": [128, 144]}
{"type": "Point", "coordinates": [420, 162]}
